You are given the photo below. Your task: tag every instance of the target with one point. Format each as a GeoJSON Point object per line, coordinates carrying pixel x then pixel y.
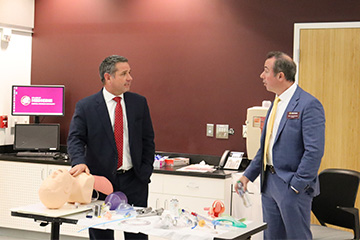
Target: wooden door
{"type": "Point", "coordinates": [329, 68]}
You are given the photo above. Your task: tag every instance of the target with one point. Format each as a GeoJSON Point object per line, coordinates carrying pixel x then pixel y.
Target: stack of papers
{"type": "Point", "coordinates": [198, 168]}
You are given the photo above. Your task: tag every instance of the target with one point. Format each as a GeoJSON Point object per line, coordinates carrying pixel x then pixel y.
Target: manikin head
{"type": "Point", "coordinates": [61, 187]}
{"type": "Point", "coordinates": [56, 188]}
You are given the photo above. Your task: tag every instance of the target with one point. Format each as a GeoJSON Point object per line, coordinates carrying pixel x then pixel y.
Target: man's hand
{"type": "Point", "coordinates": [244, 180]}
{"type": "Point", "coordinates": [77, 169]}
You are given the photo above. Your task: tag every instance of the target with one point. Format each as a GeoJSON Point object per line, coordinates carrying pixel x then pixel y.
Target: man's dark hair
{"type": "Point", "coordinates": [108, 65]}
{"type": "Point", "coordinates": [283, 63]}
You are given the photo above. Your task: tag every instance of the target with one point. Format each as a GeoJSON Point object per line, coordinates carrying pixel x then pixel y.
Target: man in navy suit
{"type": "Point", "coordinates": [91, 142]}
{"type": "Point", "coordinates": [289, 181]}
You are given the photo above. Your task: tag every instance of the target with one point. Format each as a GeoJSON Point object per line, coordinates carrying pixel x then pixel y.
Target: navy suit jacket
{"type": "Point", "coordinates": [91, 137]}
{"type": "Point", "coordinates": [298, 145]}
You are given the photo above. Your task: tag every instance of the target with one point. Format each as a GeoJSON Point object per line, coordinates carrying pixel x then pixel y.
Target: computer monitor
{"type": "Point", "coordinates": [39, 137]}
{"type": "Point", "coordinates": [38, 100]}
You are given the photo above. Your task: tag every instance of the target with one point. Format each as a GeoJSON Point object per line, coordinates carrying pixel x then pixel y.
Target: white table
{"type": "Point", "coordinates": [73, 215]}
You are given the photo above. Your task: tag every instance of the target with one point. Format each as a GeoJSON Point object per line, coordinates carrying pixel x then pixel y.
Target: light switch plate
{"type": "Point", "coordinates": [210, 130]}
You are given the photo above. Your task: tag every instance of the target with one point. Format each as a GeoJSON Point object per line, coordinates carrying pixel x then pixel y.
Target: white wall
{"type": "Point", "coordinates": [17, 13]}
{"type": "Point", "coordinates": [15, 57]}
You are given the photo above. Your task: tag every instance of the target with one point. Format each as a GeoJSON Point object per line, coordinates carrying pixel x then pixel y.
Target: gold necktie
{"type": "Point", "coordinates": [269, 129]}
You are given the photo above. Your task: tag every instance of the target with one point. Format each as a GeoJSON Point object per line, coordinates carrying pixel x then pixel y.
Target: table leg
{"type": "Point", "coordinates": [55, 231]}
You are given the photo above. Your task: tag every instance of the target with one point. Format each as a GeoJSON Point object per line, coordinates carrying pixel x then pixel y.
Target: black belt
{"type": "Point", "coordinates": [270, 168]}
{"type": "Point", "coordinates": [122, 171]}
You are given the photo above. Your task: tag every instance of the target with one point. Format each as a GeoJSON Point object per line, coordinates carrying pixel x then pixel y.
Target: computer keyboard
{"type": "Point", "coordinates": [37, 154]}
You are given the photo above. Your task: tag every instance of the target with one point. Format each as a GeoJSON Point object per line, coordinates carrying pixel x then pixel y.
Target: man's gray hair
{"type": "Point", "coordinates": [108, 65]}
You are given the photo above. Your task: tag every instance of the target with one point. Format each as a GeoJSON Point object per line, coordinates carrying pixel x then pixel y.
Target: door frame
{"type": "Point", "coordinates": [300, 26]}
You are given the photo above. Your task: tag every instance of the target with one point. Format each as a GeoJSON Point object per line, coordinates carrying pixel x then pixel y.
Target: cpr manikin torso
{"type": "Point", "coordinates": [60, 187]}
{"type": "Point", "coordinates": [82, 188]}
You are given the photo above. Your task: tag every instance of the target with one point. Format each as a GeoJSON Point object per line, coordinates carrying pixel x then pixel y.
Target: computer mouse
{"type": "Point", "coordinates": [65, 156]}
{"type": "Point", "coordinates": [57, 156]}
{"type": "Point", "coordinates": [61, 156]}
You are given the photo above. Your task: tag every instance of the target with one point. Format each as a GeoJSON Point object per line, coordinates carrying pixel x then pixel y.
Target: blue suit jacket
{"type": "Point", "coordinates": [91, 138]}
{"type": "Point", "coordinates": [298, 146]}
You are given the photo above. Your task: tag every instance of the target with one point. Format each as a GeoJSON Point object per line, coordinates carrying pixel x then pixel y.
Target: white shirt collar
{"type": "Point", "coordinates": [109, 96]}
{"type": "Point", "coordinates": [287, 95]}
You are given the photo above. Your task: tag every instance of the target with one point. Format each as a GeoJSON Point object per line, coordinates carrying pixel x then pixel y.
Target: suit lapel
{"type": "Point", "coordinates": [129, 114]}
{"type": "Point", "coordinates": [290, 107]}
{"type": "Point", "coordinates": [104, 118]}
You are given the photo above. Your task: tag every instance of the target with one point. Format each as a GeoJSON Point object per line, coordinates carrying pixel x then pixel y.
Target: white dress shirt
{"type": "Point", "coordinates": [282, 105]}
{"type": "Point", "coordinates": [111, 104]}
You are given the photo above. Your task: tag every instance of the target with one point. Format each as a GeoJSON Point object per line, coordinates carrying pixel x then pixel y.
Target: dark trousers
{"type": "Point", "coordinates": [100, 234]}
{"type": "Point", "coordinates": [137, 193]}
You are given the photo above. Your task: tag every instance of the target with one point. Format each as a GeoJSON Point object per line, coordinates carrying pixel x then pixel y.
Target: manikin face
{"type": "Point", "coordinates": [270, 80]}
{"type": "Point", "coordinates": [120, 81]}
{"type": "Point", "coordinates": [56, 189]}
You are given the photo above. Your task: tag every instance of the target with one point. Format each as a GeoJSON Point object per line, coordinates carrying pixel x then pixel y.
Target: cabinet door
{"type": "Point", "coordinates": [193, 193]}
{"type": "Point", "coordinates": [156, 184]}
{"type": "Point", "coordinates": [254, 212]}
{"type": "Point", "coordinates": [20, 183]}
{"type": "Point", "coordinates": [195, 187]}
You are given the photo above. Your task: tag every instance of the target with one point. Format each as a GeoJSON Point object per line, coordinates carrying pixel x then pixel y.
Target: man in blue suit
{"type": "Point", "coordinates": [289, 169]}
{"type": "Point", "coordinates": [93, 147]}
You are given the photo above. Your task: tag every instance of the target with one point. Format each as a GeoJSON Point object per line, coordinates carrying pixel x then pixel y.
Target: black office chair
{"type": "Point", "coordinates": [335, 204]}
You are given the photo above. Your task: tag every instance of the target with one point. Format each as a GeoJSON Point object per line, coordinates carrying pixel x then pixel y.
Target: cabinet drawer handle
{"type": "Point", "coordinates": [192, 185]}
{"type": "Point", "coordinates": [42, 174]}
{"type": "Point", "coordinates": [157, 203]}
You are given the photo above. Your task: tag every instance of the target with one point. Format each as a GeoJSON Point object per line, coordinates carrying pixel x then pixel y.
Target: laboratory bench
{"type": "Point", "coordinates": [8, 154]}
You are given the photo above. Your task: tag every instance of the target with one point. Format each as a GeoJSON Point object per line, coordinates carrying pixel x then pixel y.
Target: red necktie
{"type": "Point", "coordinates": [118, 130]}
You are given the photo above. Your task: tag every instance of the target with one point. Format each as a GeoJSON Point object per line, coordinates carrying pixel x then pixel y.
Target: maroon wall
{"type": "Point", "coordinates": [196, 61]}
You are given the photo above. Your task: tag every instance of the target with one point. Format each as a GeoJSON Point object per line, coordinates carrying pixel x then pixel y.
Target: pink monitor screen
{"type": "Point", "coordinates": [36, 100]}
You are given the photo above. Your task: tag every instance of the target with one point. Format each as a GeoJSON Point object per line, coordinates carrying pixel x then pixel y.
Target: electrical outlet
{"type": "Point", "coordinates": [244, 131]}
{"type": "Point", "coordinates": [210, 130]}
